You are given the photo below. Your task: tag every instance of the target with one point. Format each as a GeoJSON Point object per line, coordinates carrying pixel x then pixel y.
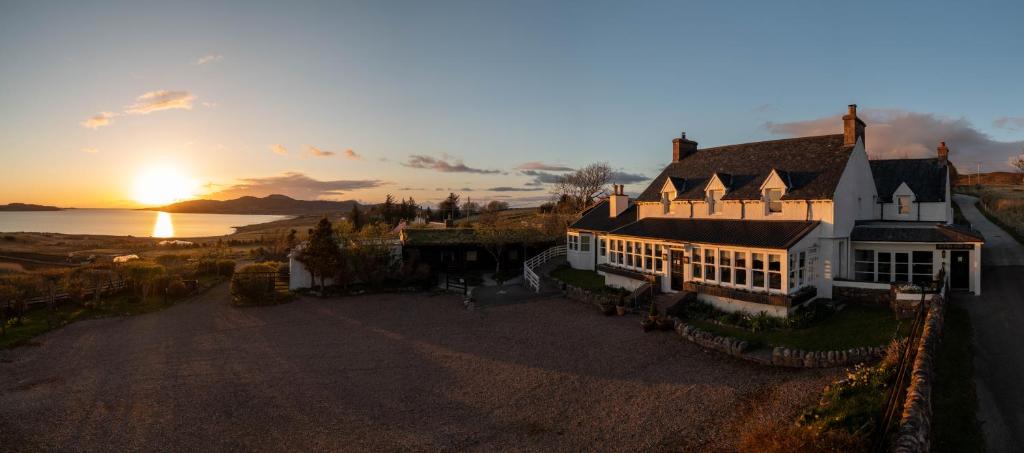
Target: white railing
{"type": "Point", "coordinates": [529, 275]}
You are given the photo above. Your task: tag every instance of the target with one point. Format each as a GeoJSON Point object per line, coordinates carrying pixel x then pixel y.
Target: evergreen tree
{"type": "Point", "coordinates": [449, 208]}
{"type": "Point", "coordinates": [356, 217]}
{"type": "Point", "coordinates": [387, 210]}
{"type": "Point", "coordinates": [322, 256]}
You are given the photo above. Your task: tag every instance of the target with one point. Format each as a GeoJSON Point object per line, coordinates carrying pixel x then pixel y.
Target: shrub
{"type": "Point", "coordinates": [254, 284]}
{"type": "Point", "coordinates": [176, 288]}
{"type": "Point", "coordinates": [226, 268]}
{"type": "Point", "coordinates": [206, 266]}
{"type": "Point", "coordinates": [142, 277]}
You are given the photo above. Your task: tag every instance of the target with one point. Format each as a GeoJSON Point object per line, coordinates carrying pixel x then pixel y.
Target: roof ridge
{"type": "Point", "coordinates": [811, 137]}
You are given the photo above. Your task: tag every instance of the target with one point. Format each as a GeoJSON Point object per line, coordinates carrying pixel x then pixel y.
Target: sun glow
{"type": "Point", "coordinates": [162, 185]}
{"type": "Point", "coordinates": [163, 228]}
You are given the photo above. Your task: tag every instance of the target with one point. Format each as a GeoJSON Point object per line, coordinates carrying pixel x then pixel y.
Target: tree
{"type": "Point", "coordinates": [1018, 163]}
{"type": "Point", "coordinates": [356, 217]}
{"type": "Point", "coordinates": [495, 206]}
{"type": "Point", "coordinates": [449, 208]}
{"type": "Point", "coordinates": [583, 186]}
{"type": "Point", "coordinates": [470, 207]}
{"type": "Point", "coordinates": [495, 236]}
{"type": "Point", "coordinates": [387, 210]}
{"type": "Point", "coordinates": [322, 256]}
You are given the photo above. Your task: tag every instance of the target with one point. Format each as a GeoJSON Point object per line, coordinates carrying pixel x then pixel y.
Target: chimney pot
{"type": "Point", "coordinates": [943, 153]}
{"type": "Point", "coordinates": [853, 127]}
{"type": "Point", "coordinates": [682, 147]}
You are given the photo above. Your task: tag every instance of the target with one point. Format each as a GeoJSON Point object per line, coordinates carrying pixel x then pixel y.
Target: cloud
{"type": "Point", "coordinates": [351, 154]}
{"type": "Point", "coordinates": [514, 189]}
{"type": "Point", "coordinates": [1010, 123]}
{"type": "Point", "coordinates": [540, 177]}
{"type": "Point", "coordinates": [619, 177]}
{"type": "Point", "coordinates": [293, 184]}
{"type": "Point", "coordinates": [445, 165]}
{"type": "Point", "coordinates": [279, 149]}
{"type": "Point", "coordinates": [90, 150]}
{"type": "Point", "coordinates": [155, 101]}
{"type": "Point", "coordinates": [894, 133]}
{"type": "Point", "coordinates": [212, 58]}
{"type": "Point", "coordinates": [535, 165]}
{"type": "Point", "coordinates": [98, 120]}
{"type": "Point", "coordinates": [317, 152]}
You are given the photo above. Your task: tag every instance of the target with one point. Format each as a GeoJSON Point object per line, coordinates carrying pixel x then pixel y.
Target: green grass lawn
{"type": "Point", "coordinates": [954, 401]}
{"type": "Point", "coordinates": [588, 280]}
{"type": "Point", "coordinates": [854, 326]}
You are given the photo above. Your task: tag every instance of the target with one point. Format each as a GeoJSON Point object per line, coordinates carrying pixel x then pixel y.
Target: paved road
{"type": "Point", "coordinates": [400, 372]}
{"type": "Point", "coordinates": [997, 317]}
{"type": "Point", "coordinates": [1000, 248]}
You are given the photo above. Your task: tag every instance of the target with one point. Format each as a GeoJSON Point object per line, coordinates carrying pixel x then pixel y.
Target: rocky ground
{"type": "Point", "coordinates": [384, 372]}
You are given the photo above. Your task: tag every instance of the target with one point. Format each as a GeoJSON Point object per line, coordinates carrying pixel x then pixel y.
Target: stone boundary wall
{"type": "Point", "coordinates": [861, 295]}
{"type": "Point", "coordinates": [780, 356]}
{"type": "Point", "coordinates": [914, 432]}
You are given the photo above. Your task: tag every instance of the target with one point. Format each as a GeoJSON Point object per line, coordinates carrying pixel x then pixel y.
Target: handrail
{"type": "Point", "coordinates": [529, 276]}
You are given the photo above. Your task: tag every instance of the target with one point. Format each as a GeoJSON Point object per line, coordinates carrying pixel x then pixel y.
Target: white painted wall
{"type": "Point", "coordinates": [580, 259]}
{"type": "Point", "coordinates": [618, 281]}
{"type": "Point", "coordinates": [734, 306]}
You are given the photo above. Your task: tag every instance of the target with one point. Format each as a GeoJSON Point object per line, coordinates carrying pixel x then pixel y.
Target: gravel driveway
{"type": "Point", "coordinates": [384, 372]}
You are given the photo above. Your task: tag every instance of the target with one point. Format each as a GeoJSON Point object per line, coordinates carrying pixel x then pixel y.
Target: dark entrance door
{"type": "Point", "coordinates": [677, 268]}
{"type": "Point", "coordinates": [960, 270]}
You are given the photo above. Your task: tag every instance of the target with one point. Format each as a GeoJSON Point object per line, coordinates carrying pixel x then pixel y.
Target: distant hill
{"type": "Point", "coordinates": [270, 204]}
{"type": "Point", "coordinates": [994, 178]}
{"type": "Point", "coordinates": [28, 207]}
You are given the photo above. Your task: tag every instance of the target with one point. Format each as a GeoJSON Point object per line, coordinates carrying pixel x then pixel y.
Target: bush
{"type": "Point", "coordinates": [226, 268]}
{"type": "Point", "coordinates": [206, 266]}
{"type": "Point", "coordinates": [254, 284]}
{"type": "Point", "coordinates": [176, 288]}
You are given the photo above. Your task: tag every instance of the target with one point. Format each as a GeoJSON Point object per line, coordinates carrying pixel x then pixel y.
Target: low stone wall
{"type": "Point", "coordinates": [780, 356]}
{"type": "Point", "coordinates": [914, 433]}
{"type": "Point", "coordinates": [861, 295]}
{"type": "Point", "coordinates": [729, 345]}
{"type": "Point", "coordinates": [825, 359]}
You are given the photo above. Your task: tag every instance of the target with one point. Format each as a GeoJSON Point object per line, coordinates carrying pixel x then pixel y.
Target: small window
{"type": "Point", "coordinates": [903, 203]}
{"type": "Point", "coordinates": [774, 199]}
{"type": "Point", "coordinates": [715, 201]}
{"type": "Point", "coordinates": [585, 243]}
{"type": "Point", "coordinates": [602, 246]}
{"type": "Point", "coordinates": [666, 202]}
{"type": "Point", "coordinates": [757, 269]}
{"type": "Point", "coordinates": [471, 255]}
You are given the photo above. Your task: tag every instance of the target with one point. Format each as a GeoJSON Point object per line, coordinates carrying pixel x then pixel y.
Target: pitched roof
{"type": "Point", "coordinates": [813, 164]}
{"type": "Point", "coordinates": [743, 233]}
{"type": "Point", "coordinates": [913, 232]}
{"type": "Point", "coordinates": [926, 177]}
{"type": "Point", "coordinates": [596, 219]}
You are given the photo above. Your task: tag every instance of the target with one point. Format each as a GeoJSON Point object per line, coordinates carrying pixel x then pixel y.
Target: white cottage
{"type": "Point", "coordinates": [770, 225]}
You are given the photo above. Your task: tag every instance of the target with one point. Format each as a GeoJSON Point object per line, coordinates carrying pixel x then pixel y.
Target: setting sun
{"type": "Point", "coordinates": [162, 185]}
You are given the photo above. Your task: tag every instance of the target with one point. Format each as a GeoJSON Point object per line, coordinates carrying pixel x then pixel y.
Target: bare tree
{"type": "Point", "coordinates": [582, 186]}
{"type": "Point", "coordinates": [496, 235]}
{"type": "Point", "coordinates": [1018, 163]}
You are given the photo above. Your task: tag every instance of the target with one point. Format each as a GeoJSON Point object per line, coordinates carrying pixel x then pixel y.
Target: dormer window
{"type": "Point", "coordinates": [903, 204]}
{"type": "Point", "coordinates": [773, 197]}
{"type": "Point", "coordinates": [666, 202]}
{"type": "Point", "coordinates": [715, 201]}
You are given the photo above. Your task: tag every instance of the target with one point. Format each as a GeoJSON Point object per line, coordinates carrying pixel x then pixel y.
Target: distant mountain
{"type": "Point", "coordinates": [28, 207]}
{"type": "Point", "coordinates": [270, 204]}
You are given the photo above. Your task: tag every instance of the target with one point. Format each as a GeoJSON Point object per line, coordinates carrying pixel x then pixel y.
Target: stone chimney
{"type": "Point", "coordinates": [853, 127]}
{"type": "Point", "coordinates": [681, 147]}
{"type": "Point", "coordinates": [943, 153]}
{"type": "Point", "coordinates": [617, 201]}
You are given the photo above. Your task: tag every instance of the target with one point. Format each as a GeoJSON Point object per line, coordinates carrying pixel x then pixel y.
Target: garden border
{"type": "Point", "coordinates": [914, 432]}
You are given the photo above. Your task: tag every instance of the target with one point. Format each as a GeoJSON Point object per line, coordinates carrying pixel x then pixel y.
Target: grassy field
{"type": "Point", "coordinates": [954, 401]}
{"type": "Point", "coordinates": [854, 326]}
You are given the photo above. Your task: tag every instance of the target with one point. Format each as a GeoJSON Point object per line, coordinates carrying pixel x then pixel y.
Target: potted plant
{"type": "Point", "coordinates": [652, 314]}
{"type": "Point", "coordinates": [647, 324]}
{"type": "Point", "coordinates": [607, 308]}
{"type": "Point", "coordinates": [620, 308]}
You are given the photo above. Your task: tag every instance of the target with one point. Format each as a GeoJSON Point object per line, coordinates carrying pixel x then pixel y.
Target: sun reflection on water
{"type": "Point", "coordinates": [163, 228]}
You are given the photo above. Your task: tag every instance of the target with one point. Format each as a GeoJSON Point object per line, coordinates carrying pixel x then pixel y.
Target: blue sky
{"type": "Point", "coordinates": [490, 85]}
